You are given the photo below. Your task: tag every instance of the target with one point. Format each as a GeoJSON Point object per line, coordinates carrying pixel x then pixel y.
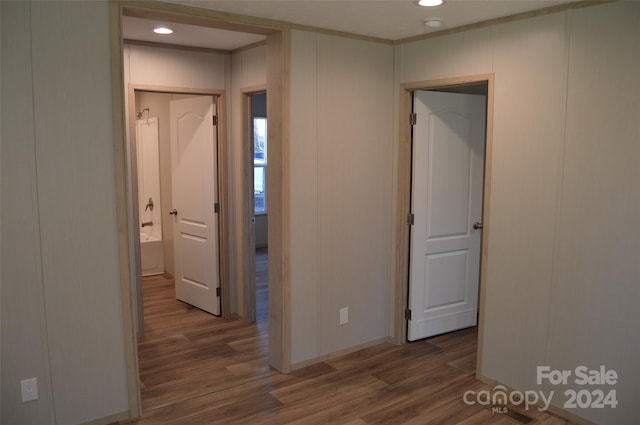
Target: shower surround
{"type": "Point", "coordinates": [149, 202]}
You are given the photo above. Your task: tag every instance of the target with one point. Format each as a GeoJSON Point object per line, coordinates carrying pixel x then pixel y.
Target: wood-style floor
{"type": "Point", "coordinates": [262, 284]}
{"type": "Point", "coordinates": [199, 369]}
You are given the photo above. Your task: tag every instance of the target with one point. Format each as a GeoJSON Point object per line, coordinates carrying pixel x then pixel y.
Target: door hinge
{"type": "Point", "coordinates": [407, 314]}
{"type": "Point", "coordinates": [410, 219]}
{"type": "Point", "coordinates": [215, 120]}
{"type": "Point", "coordinates": [218, 291]}
{"type": "Point", "coordinates": [413, 118]}
{"type": "Point", "coordinates": [216, 208]}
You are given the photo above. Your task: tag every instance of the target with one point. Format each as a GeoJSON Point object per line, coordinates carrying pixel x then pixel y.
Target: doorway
{"type": "Point", "coordinates": [192, 254]}
{"type": "Point", "coordinates": [446, 211]}
{"type": "Point", "coordinates": [474, 85]}
{"type": "Point", "coordinates": [277, 48]}
{"type": "Point", "coordinates": [256, 196]}
{"type": "Point", "coordinates": [258, 146]}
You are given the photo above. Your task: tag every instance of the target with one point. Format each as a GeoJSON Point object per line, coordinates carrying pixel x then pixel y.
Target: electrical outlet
{"type": "Point", "coordinates": [344, 316]}
{"type": "Point", "coordinates": [29, 389]}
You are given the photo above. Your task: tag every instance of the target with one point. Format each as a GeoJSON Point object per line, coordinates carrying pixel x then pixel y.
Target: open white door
{"type": "Point", "coordinates": [194, 183]}
{"type": "Point", "coordinates": [446, 199]}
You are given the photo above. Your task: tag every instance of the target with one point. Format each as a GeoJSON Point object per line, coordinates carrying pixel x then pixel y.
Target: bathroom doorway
{"type": "Point", "coordinates": [152, 112]}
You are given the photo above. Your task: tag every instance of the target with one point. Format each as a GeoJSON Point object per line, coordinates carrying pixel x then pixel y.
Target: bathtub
{"type": "Point", "coordinates": [152, 255]}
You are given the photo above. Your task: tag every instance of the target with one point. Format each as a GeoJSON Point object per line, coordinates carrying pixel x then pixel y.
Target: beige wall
{"type": "Point", "coordinates": [596, 286]}
{"type": "Point", "coordinates": [62, 316]}
{"type": "Point", "coordinates": [174, 68]}
{"type": "Point", "coordinates": [562, 283]}
{"type": "Point", "coordinates": [340, 188]}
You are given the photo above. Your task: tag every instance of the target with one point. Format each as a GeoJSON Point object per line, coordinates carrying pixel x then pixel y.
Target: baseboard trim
{"type": "Point", "coordinates": [391, 340]}
{"type": "Point", "coordinates": [554, 410]}
{"type": "Point", "coordinates": [110, 419]}
{"type": "Point", "coordinates": [338, 353]}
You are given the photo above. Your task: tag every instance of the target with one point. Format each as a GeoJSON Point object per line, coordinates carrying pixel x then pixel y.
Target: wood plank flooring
{"type": "Point", "coordinates": [262, 281]}
{"type": "Point", "coordinates": [196, 369]}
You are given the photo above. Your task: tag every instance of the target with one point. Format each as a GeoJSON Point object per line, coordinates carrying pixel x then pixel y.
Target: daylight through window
{"type": "Point", "coordinates": [260, 164]}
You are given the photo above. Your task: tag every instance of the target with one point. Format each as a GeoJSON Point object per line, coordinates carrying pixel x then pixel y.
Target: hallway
{"type": "Point", "coordinates": [196, 368]}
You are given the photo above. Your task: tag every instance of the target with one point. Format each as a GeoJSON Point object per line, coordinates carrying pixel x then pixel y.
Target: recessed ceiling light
{"type": "Point", "coordinates": [430, 3]}
{"type": "Point", "coordinates": [433, 22]}
{"type": "Point", "coordinates": [163, 30]}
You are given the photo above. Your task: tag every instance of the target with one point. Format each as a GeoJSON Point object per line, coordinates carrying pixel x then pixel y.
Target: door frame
{"type": "Point", "coordinates": [278, 64]}
{"type": "Point", "coordinates": [248, 236]}
{"type": "Point", "coordinates": [222, 175]}
{"type": "Point", "coordinates": [403, 199]}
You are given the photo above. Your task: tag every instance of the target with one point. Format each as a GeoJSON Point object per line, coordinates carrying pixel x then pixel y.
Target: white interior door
{"type": "Point", "coordinates": [194, 183]}
{"type": "Point", "coordinates": [447, 185]}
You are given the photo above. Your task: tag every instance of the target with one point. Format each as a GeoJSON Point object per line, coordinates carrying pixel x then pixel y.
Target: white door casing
{"type": "Point", "coordinates": [446, 198]}
{"type": "Point", "coordinates": [194, 192]}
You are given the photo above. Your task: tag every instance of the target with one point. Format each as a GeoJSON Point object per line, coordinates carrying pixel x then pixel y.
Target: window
{"type": "Point", "coordinates": [260, 164]}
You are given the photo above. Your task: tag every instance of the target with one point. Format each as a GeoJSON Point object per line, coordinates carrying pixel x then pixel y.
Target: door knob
{"type": "Point", "coordinates": [173, 212]}
{"type": "Point", "coordinates": [477, 225]}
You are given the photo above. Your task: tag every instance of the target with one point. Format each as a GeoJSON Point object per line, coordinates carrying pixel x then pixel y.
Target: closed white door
{"type": "Point", "coordinates": [447, 186]}
{"type": "Point", "coordinates": [194, 191]}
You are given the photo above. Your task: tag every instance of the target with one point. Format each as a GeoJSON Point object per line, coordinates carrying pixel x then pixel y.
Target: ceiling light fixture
{"type": "Point", "coordinates": [433, 22]}
{"type": "Point", "coordinates": [163, 30]}
{"type": "Point", "coordinates": [430, 3]}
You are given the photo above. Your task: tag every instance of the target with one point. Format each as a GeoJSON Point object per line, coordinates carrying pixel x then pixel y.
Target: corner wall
{"type": "Point", "coordinates": [596, 286]}
{"type": "Point", "coordinates": [340, 191]}
{"type": "Point", "coordinates": [61, 306]}
{"type": "Point", "coordinates": [562, 279]}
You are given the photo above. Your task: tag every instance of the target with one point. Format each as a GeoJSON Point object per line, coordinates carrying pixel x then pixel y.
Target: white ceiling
{"type": "Point", "coordinates": [388, 19]}
{"type": "Point", "coordinates": [186, 35]}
